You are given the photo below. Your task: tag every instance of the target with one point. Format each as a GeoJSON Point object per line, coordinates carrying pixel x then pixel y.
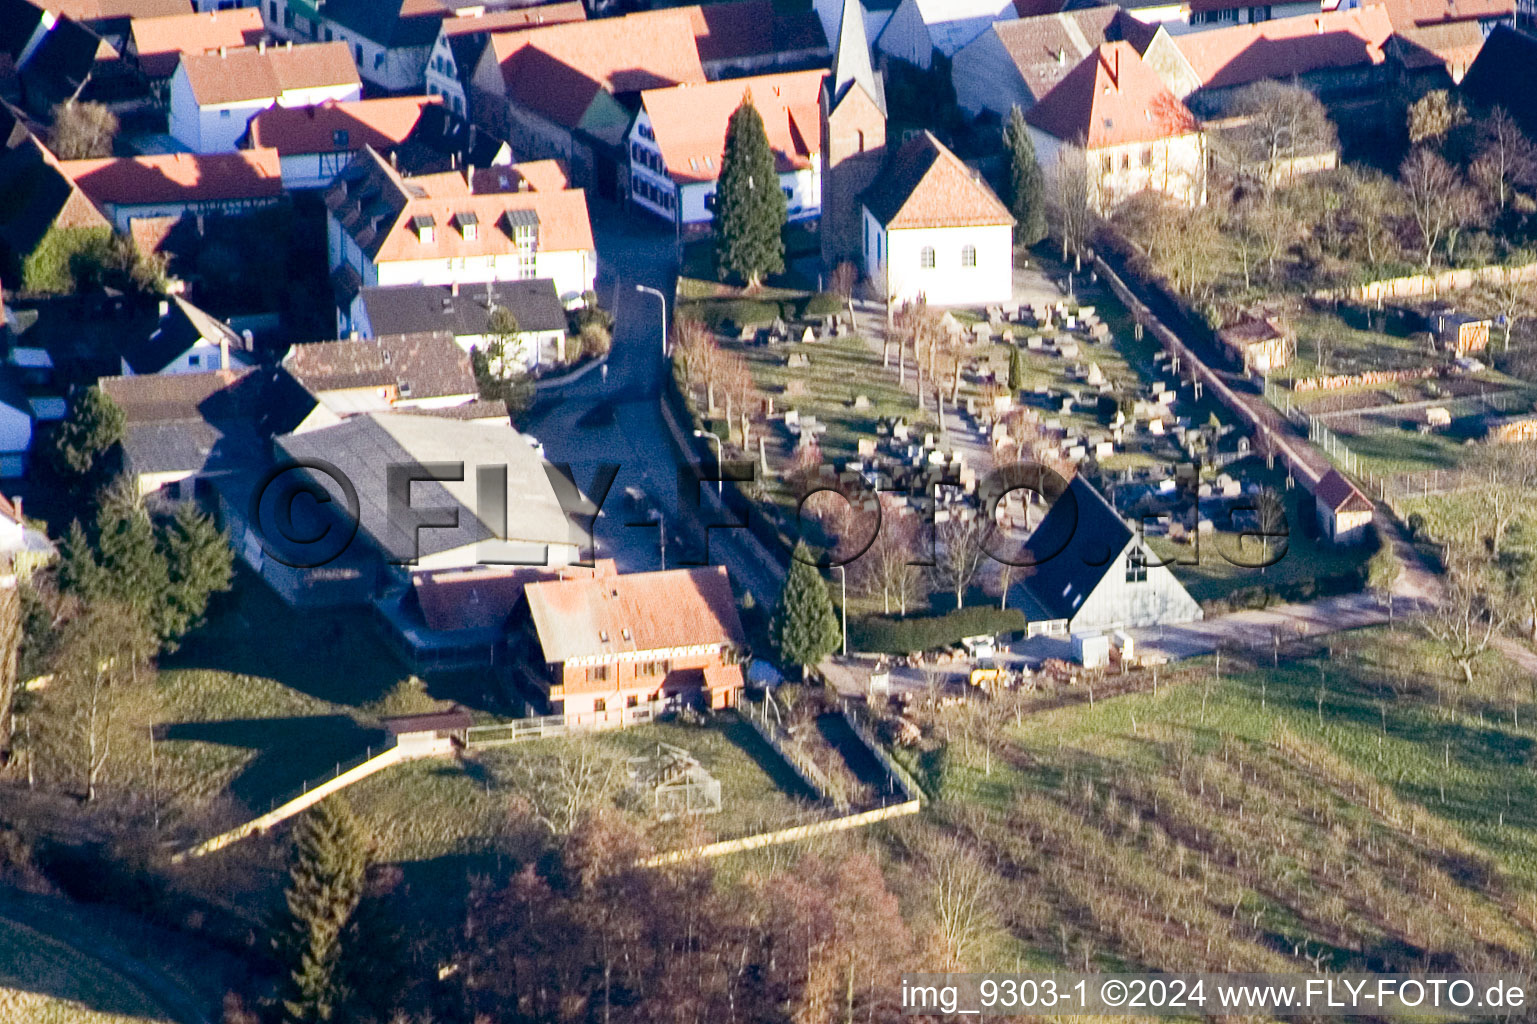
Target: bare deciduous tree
{"type": "Point", "coordinates": [568, 781]}
{"type": "Point", "coordinates": [1465, 618]}
{"type": "Point", "coordinates": [1440, 202]}
{"type": "Point", "coordinates": [964, 894]}
{"type": "Point", "coordinates": [1278, 124]}
{"type": "Point", "coordinates": [82, 131]}
{"type": "Point", "coordinates": [960, 552]}
{"type": "Point", "coordinates": [1071, 206]}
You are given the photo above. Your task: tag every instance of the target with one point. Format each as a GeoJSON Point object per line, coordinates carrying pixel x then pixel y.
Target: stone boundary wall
{"type": "Point", "coordinates": [1429, 284]}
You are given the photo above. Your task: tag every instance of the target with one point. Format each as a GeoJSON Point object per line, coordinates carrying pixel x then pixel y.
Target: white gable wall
{"type": "Point", "coordinates": [1116, 603]}
{"type": "Point", "coordinates": [894, 260]}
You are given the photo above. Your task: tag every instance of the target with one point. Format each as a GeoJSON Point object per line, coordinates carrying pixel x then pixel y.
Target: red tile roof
{"type": "Point", "coordinates": [538, 175]}
{"type": "Point", "coordinates": [96, 10]}
{"type": "Point", "coordinates": [1112, 98]}
{"type": "Point", "coordinates": [483, 597]}
{"type": "Point", "coordinates": [1044, 49]}
{"type": "Point", "coordinates": [381, 123]}
{"type": "Point", "coordinates": [556, 71]}
{"type": "Point", "coordinates": [689, 121]}
{"type": "Point", "coordinates": [1337, 494]}
{"type": "Point", "coordinates": [178, 177]}
{"type": "Point", "coordinates": [160, 42]}
{"type": "Point", "coordinates": [635, 612]}
{"type": "Point", "coordinates": [255, 73]}
{"type": "Point", "coordinates": [1407, 14]}
{"type": "Point", "coordinates": [513, 20]}
{"type": "Point", "coordinates": [926, 186]}
{"type": "Point", "coordinates": [1286, 46]}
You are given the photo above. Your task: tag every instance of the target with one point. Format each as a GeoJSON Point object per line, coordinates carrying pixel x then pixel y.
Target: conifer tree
{"type": "Point", "coordinates": [1016, 369]}
{"type": "Point", "coordinates": [1027, 184]}
{"type": "Point", "coordinates": [325, 883]}
{"type": "Point", "coordinates": [804, 628]}
{"type": "Point", "coordinates": [200, 563]}
{"type": "Point", "coordinates": [750, 209]}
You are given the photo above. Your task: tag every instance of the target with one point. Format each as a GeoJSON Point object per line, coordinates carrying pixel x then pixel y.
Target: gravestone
{"type": "Point", "coordinates": [861, 403]}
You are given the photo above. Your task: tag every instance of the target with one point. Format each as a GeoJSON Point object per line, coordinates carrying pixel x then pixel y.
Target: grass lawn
{"type": "Point", "coordinates": [1355, 809]}
{"type": "Point", "coordinates": [47, 982]}
{"type": "Point", "coordinates": [1307, 555]}
{"type": "Point", "coordinates": [441, 808]}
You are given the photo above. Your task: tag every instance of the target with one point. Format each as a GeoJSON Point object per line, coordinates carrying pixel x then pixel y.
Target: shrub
{"type": "Point", "coordinates": [878, 634]}
{"type": "Point", "coordinates": [822, 304]}
{"type": "Point", "coordinates": [63, 256]}
{"type": "Point", "coordinates": [738, 312]}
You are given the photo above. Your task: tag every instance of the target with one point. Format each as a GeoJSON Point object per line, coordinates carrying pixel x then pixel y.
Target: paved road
{"type": "Point", "coordinates": [614, 418]}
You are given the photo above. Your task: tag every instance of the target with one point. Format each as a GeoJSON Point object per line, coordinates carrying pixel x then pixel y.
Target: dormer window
{"type": "Point", "coordinates": [468, 224]}
{"type": "Point", "coordinates": [425, 228]}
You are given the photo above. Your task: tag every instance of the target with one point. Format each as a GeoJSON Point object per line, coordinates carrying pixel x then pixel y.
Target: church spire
{"type": "Point", "coordinates": [851, 59]}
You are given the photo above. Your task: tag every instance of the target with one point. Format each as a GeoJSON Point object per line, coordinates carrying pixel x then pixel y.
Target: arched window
{"type": "Point", "coordinates": [968, 255]}
{"type": "Point", "coordinates": [926, 257]}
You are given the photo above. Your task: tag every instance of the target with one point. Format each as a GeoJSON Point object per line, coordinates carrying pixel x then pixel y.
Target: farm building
{"type": "Point", "coordinates": [1092, 572]}
{"type": "Point", "coordinates": [1344, 513]}
{"type": "Point", "coordinates": [1460, 333]}
{"type": "Point", "coordinates": [1261, 343]}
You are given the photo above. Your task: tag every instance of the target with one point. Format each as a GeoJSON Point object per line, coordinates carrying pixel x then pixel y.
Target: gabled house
{"type": "Point", "coordinates": [1090, 572]}
{"type": "Point", "coordinates": [175, 184]}
{"type": "Point", "coordinates": [414, 132]}
{"type": "Point", "coordinates": [679, 135]}
{"type": "Point", "coordinates": [384, 229]}
{"type": "Point", "coordinates": [55, 56]}
{"type": "Point", "coordinates": [155, 45]}
{"type": "Point", "coordinates": [191, 427]}
{"type": "Point", "coordinates": [610, 644]}
{"type": "Point", "coordinates": [464, 314]}
{"type": "Point", "coordinates": [1344, 513]}
{"type": "Point", "coordinates": [392, 373]}
{"type": "Point", "coordinates": [215, 95]}
{"type": "Point", "coordinates": [186, 340]}
{"type": "Point", "coordinates": [1181, 17]}
{"type": "Point", "coordinates": [463, 38]}
{"type": "Point", "coordinates": [1338, 52]}
{"type": "Point", "coordinates": [919, 29]}
{"type": "Point", "coordinates": [1437, 41]}
{"type": "Point", "coordinates": [1015, 63]}
{"type": "Point", "coordinates": [569, 92]}
{"type": "Point", "coordinates": [934, 229]}
{"type": "Point", "coordinates": [1134, 134]}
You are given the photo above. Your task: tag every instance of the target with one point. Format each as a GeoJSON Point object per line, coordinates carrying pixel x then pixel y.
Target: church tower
{"type": "Point", "coordinates": [853, 136]}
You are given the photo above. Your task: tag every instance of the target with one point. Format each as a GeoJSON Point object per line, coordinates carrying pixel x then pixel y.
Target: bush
{"type": "Point", "coordinates": [63, 256]}
{"type": "Point", "coordinates": [738, 312]}
{"type": "Point", "coordinates": [878, 634]}
{"type": "Point", "coordinates": [822, 304]}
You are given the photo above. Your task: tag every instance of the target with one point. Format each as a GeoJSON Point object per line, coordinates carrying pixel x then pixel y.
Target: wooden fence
{"type": "Point", "coordinates": [522, 729]}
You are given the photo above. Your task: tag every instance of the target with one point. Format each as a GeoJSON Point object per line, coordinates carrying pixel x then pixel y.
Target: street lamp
{"type": "Point", "coordinates": [663, 300]}
{"type": "Point", "coordinates": [720, 472]}
{"type": "Point", "coordinates": [843, 582]}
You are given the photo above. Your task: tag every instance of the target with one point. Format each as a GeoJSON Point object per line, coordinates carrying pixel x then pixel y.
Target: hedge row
{"type": "Point", "coordinates": [1264, 595]}
{"type": "Point", "coordinates": [756, 312]}
{"type": "Point", "coordinates": [879, 634]}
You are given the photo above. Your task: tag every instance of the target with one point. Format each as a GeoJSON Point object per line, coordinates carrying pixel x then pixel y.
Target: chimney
{"type": "Point", "coordinates": [469, 177]}
{"type": "Point", "coordinates": [221, 52]}
{"type": "Point", "coordinates": [17, 502]}
{"type": "Point", "coordinates": [290, 44]}
{"type": "Point", "coordinates": [261, 46]}
{"type": "Point", "coordinates": [224, 352]}
{"type": "Point", "coordinates": [453, 289]}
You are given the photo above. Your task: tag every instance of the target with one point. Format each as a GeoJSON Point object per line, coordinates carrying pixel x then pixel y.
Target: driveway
{"type": "Point", "coordinates": [615, 417]}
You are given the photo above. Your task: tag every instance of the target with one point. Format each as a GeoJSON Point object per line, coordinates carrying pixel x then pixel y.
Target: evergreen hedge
{"type": "Point", "coordinates": [879, 634]}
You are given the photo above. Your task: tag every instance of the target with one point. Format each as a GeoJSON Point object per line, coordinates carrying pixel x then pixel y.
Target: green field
{"type": "Point", "coordinates": [441, 808]}
{"type": "Point", "coordinates": [1351, 810]}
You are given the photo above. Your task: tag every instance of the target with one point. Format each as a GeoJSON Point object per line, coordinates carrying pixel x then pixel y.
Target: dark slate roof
{"type": "Point", "coordinates": [1073, 546]}
{"type": "Point", "coordinates": [444, 141]}
{"type": "Point", "coordinates": [1505, 74]}
{"type": "Point", "coordinates": [386, 22]}
{"type": "Point", "coordinates": [178, 331]}
{"type": "Point", "coordinates": [18, 20]}
{"type": "Point", "coordinates": [411, 309]}
{"type": "Point", "coordinates": [204, 422]}
{"type": "Point", "coordinates": [61, 64]}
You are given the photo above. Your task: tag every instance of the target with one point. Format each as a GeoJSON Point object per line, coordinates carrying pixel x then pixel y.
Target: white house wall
{"type": "Point", "coordinates": [1176, 167]}
{"type": "Point", "coordinates": [573, 272]}
{"type": "Point", "coordinates": [200, 358]}
{"type": "Point", "coordinates": [1116, 604]}
{"type": "Point", "coordinates": [896, 257]}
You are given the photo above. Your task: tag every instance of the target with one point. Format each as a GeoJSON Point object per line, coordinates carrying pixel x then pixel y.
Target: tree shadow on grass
{"type": "Point", "coordinates": [290, 752]}
{"type": "Point", "coordinates": [337, 656]}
